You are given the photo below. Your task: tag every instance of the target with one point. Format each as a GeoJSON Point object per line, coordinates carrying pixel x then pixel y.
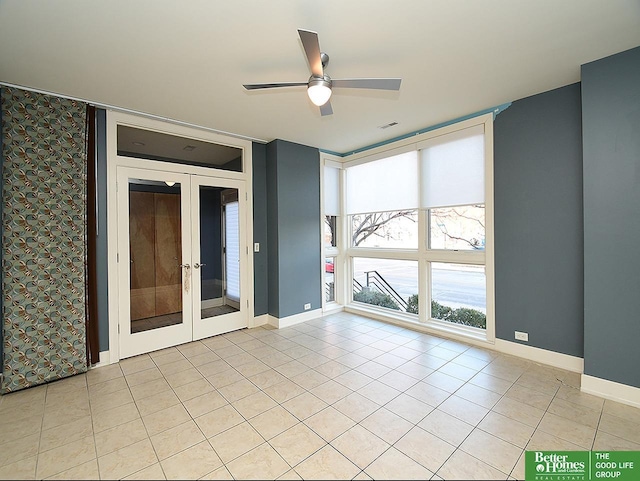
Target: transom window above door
{"type": "Point", "coordinates": [152, 145]}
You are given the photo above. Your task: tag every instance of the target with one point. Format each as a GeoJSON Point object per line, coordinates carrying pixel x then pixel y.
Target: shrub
{"type": "Point", "coordinates": [438, 311]}
{"type": "Point", "coordinates": [461, 315]}
{"type": "Point", "coordinates": [470, 317]}
{"type": "Point", "coordinates": [376, 298]}
{"type": "Point", "coordinates": [412, 304]}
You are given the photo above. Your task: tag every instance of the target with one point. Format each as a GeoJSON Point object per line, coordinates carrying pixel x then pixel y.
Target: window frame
{"type": "Point", "coordinates": [423, 254]}
{"type": "Point", "coordinates": [337, 251]}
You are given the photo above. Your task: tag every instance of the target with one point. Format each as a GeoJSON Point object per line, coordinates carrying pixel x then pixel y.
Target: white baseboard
{"type": "Point", "coordinates": [543, 356]}
{"type": "Point", "coordinates": [260, 320]}
{"type": "Point", "coordinates": [615, 391]}
{"type": "Point", "coordinates": [295, 319]}
{"type": "Point", "coordinates": [105, 360]}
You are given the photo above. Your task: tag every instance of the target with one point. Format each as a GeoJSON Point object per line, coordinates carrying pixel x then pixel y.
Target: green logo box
{"type": "Point", "coordinates": [582, 465]}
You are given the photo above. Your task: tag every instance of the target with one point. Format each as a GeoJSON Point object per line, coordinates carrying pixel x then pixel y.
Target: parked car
{"type": "Point", "coordinates": [328, 266]}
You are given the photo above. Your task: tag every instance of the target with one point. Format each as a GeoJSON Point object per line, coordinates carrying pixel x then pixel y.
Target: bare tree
{"type": "Point", "coordinates": [442, 216]}
{"type": "Point", "coordinates": [367, 225]}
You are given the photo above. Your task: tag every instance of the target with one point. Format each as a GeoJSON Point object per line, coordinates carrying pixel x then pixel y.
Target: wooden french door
{"type": "Point", "coordinates": [179, 254]}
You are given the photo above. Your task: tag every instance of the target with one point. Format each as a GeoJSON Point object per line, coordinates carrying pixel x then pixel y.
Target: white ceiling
{"type": "Point", "coordinates": [187, 60]}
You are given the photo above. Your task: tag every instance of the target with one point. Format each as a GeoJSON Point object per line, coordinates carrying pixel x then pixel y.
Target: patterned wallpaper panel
{"type": "Point", "coordinates": [43, 236]}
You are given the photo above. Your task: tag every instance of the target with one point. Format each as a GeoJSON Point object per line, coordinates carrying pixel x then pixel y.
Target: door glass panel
{"type": "Point", "coordinates": [155, 249]}
{"type": "Point", "coordinates": [219, 251]}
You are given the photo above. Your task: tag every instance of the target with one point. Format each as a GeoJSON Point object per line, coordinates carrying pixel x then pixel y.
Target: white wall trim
{"type": "Point", "coordinates": [295, 319]}
{"type": "Point", "coordinates": [105, 360]}
{"type": "Point", "coordinates": [260, 320]}
{"type": "Point", "coordinates": [543, 356]}
{"type": "Point", "coordinates": [615, 391]}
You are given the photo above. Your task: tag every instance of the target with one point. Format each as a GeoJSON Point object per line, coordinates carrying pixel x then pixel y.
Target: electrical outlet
{"type": "Point", "coordinates": [522, 336]}
{"type": "Point", "coordinates": [307, 307]}
{"type": "Point", "coordinates": [256, 247]}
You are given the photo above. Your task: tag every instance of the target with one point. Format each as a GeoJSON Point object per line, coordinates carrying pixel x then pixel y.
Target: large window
{"type": "Point", "coordinates": [418, 234]}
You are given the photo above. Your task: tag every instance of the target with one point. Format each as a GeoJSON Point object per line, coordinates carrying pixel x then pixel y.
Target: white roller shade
{"type": "Point", "coordinates": [331, 191]}
{"type": "Point", "coordinates": [453, 168]}
{"type": "Point", "coordinates": [383, 185]}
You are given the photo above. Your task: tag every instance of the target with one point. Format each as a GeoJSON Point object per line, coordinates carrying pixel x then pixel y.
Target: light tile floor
{"type": "Point", "coordinates": [341, 397]}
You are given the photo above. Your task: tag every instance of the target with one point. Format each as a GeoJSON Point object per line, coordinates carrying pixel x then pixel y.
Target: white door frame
{"type": "Point", "coordinates": [114, 160]}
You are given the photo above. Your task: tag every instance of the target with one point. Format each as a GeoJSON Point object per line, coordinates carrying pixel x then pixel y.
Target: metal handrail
{"type": "Point", "coordinates": [374, 278]}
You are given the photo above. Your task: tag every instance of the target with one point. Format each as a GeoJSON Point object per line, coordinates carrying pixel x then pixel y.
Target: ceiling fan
{"type": "Point", "coordinates": [320, 84]}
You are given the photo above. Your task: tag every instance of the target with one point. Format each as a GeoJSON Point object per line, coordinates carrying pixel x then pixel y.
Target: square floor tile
{"type": "Point", "coordinates": [283, 391]}
{"type": "Point", "coordinates": [425, 448]}
{"type": "Point", "coordinates": [219, 420]}
{"type": "Point", "coordinates": [329, 423]}
{"type": "Point", "coordinates": [467, 411]}
{"type": "Point", "coordinates": [204, 403]}
{"type": "Point", "coordinates": [356, 407]}
{"type": "Point", "coordinates": [491, 450]}
{"type": "Point", "coordinates": [172, 441]}
{"type": "Point", "coordinates": [393, 464]}
{"type": "Point", "coordinates": [446, 427]}
{"type": "Point", "coordinates": [569, 430]}
{"type": "Point", "coordinates": [274, 421]}
{"type": "Point", "coordinates": [297, 443]}
{"type": "Point", "coordinates": [507, 429]}
{"type": "Point", "coordinates": [409, 408]}
{"type": "Point", "coordinates": [262, 462]}
{"type": "Point", "coordinates": [120, 436]}
{"type": "Point", "coordinates": [360, 446]}
{"type": "Point", "coordinates": [127, 460]}
{"type": "Point", "coordinates": [304, 405]}
{"type": "Point", "coordinates": [327, 464]}
{"type": "Point", "coordinates": [428, 393]}
{"type": "Point", "coordinates": [386, 425]}
{"type": "Point", "coordinates": [236, 441]}
{"type": "Point", "coordinates": [254, 404]}
{"type": "Point", "coordinates": [192, 463]}
{"type": "Point", "coordinates": [519, 411]}
{"type": "Point", "coordinates": [464, 466]}
{"type": "Point", "coordinates": [166, 419]}
{"type": "Point", "coordinates": [65, 457]}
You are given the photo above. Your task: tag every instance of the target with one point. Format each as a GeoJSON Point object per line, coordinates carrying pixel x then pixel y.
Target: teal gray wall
{"type": "Point", "coordinates": [611, 126]}
{"type": "Point", "coordinates": [260, 259]}
{"type": "Point", "coordinates": [538, 221]}
{"type": "Point", "coordinates": [293, 217]}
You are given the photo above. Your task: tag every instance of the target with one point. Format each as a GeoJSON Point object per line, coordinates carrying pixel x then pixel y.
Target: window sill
{"type": "Point", "coordinates": [461, 333]}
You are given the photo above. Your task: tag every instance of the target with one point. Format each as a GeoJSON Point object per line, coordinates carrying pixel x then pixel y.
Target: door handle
{"type": "Point", "coordinates": [187, 266]}
{"type": "Point", "coordinates": [197, 266]}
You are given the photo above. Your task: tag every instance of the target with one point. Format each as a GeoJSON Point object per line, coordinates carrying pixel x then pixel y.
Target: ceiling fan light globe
{"type": "Point", "coordinates": [319, 94]}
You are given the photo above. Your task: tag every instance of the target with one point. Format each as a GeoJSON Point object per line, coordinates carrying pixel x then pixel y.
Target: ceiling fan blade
{"type": "Point", "coordinates": [368, 83]}
{"type": "Point", "coordinates": [273, 85]}
{"type": "Point", "coordinates": [326, 109]}
{"type": "Point", "coordinates": [312, 49]}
